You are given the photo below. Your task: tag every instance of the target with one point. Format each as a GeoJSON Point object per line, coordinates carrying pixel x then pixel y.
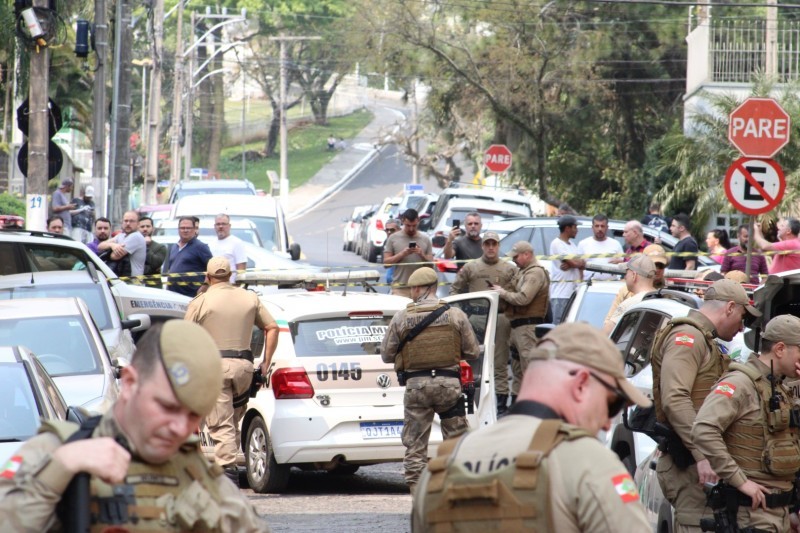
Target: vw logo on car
{"type": "Point", "coordinates": [384, 381]}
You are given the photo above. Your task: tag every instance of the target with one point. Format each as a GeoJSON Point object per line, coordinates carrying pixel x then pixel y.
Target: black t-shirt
{"type": "Point", "coordinates": [465, 249]}
{"type": "Point", "coordinates": [687, 244]}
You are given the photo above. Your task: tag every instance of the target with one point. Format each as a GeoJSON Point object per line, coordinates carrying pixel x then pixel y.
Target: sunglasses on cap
{"type": "Point", "coordinates": [620, 399]}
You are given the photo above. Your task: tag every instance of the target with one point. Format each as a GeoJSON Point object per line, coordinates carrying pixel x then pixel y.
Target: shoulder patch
{"type": "Point", "coordinates": [726, 388]}
{"type": "Point", "coordinates": [11, 467]}
{"type": "Point", "coordinates": [684, 339]}
{"type": "Point", "coordinates": [626, 488]}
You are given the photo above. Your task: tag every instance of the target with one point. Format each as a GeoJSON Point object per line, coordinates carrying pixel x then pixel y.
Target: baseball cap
{"type": "Point", "coordinates": [727, 290]}
{"type": "Point", "coordinates": [586, 345]}
{"type": "Point", "coordinates": [422, 277]}
{"type": "Point", "coordinates": [193, 364]}
{"type": "Point", "coordinates": [67, 181]}
{"type": "Point", "coordinates": [783, 328]}
{"type": "Point", "coordinates": [218, 267]}
{"type": "Point", "coordinates": [490, 236]}
{"type": "Point", "coordinates": [738, 276]}
{"type": "Point", "coordinates": [519, 247]}
{"type": "Point", "coordinates": [89, 191]}
{"type": "Point", "coordinates": [656, 253]}
{"type": "Point", "coordinates": [642, 265]}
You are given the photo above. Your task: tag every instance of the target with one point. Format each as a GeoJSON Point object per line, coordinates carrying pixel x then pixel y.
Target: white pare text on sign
{"type": "Point", "coordinates": [759, 127]}
{"type": "Point", "coordinates": [497, 158]}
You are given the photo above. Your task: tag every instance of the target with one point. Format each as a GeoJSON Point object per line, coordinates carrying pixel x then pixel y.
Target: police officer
{"type": "Point", "coordinates": [430, 362]}
{"type": "Point", "coordinates": [541, 467]}
{"type": "Point", "coordinates": [147, 470]}
{"type": "Point", "coordinates": [744, 428]}
{"type": "Point", "coordinates": [477, 276]}
{"type": "Point", "coordinates": [229, 313]}
{"type": "Point", "coordinates": [527, 303]}
{"type": "Point", "coordinates": [687, 362]}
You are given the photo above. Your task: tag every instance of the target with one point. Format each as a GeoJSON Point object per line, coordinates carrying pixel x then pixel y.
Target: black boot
{"type": "Point", "coordinates": [502, 401]}
{"type": "Point", "coordinates": [232, 473]}
{"type": "Point", "coordinates": [513, 399]}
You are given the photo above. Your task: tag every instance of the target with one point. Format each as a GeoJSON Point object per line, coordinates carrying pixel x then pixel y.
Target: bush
{"type": "Point", "coordinates": [11, 205]}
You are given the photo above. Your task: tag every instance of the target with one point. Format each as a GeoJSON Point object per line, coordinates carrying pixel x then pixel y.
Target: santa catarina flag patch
{"type": "Point", "coordinates": [11, 467]}
{"type": "Point", "coordinates": [725, 388]}
{"type": "Point", "coordinates": [684, 339]}
{"type": "Point", "coordinates": [625, 487]}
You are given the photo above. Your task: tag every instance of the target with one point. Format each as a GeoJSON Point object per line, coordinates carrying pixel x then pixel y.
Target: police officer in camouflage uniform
{"type": "Point", "coordinates": [745, 430]}
{"type": "Point", "coordinates": [147, 470]}
{"type": "Point", "coordinates": [541, 467]}
{"type": "Point", "coordinates": [687, 362]}
{"type": "Point", "coordinates": [476, 276]}
{"type": "Point", "coordinates": [431, 365]}
{"type": "Point", "coordinates": [527, 302]}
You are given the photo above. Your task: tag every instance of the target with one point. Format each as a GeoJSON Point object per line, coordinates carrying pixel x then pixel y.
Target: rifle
{"type": "Point", "coordinates": [724, 502]}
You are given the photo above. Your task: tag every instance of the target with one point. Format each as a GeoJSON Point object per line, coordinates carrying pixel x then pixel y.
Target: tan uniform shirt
{"type": "Point", "coordinates": [398, 242]}
{"type": "Point", "coordinates": [528, 283]}
{"type": "Point", "coordinates": [622, 295]}
{"type": "Point", "coordinates": [400, 326]}
{"type": "Point", "coordinates": [229, 313]}
{"type": "Point", "coordinates": [590, 489]}
{"type": "Point", "coordinates": [738, 401]}
{"type": "Point", "coordinates": [474, 275]}
{"type": "Point", "coordinates": [679, 367]}
{"type": "Point", "coordinates": [28, 498]}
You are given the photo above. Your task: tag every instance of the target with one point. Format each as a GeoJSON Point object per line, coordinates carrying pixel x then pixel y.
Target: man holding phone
{"type": "Point", "coordinates": [409, 250]}
{"type": "Point", "coordinates": [465, 246]}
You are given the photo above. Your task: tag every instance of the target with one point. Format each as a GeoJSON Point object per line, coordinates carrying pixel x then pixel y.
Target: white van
{"type": "Point", "coordinates": [263, 211]}
{"type": "Point", "coordinates": [513, 197]}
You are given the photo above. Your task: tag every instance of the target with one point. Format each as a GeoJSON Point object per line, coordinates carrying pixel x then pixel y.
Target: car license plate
{"type": "Point", "coordinates": [381, 430]}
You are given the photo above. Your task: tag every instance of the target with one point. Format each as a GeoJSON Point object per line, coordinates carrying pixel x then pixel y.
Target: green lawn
{"type": "Point", "coordinates": [307, 151]}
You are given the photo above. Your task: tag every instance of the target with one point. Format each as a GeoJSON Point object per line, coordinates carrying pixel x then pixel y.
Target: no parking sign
{"type": "Point", "coordinates": [754, 186]}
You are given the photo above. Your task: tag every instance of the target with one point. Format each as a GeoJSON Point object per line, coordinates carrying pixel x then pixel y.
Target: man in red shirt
{"type": "Point", "coordinates": [788, 230]}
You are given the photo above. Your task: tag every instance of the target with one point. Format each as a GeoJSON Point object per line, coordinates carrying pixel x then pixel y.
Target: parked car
{"type": "Point", "coordinates": [61, 333]}
{"type": "Point", "coordinates": [459, 208]}
{"type": "Point", "coordinates": [591, 302]}
{"type": "Point", "coordinates": [330, 403]}
{"type": "Point", "coordinates": [245, 230]}
{"type": "Point", "coordinates": [23, 251]}
{"type": "Point", "coordinates": [28, 395]}
{"type": "Point", "coordinates": [352, 224]}
{"type": "Point", "coordinates": [157, 212]}
{"type": "Point", "coordinates": [264, 211]}
{"type": "Point", "coordinates": [203, 187]}
{"type": "Point", "coordinates": [474, 193]}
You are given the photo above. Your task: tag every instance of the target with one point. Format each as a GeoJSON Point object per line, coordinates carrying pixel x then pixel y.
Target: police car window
{"type": "Point", "coordinates": [594, 306]}
{"type": "Point", "coordinates": [339, 336]}
{"type": "Point", "coordinates": [19, 412]}
{"type": "Point", "coordinates": [625, 330]}
{"type": "Point", "coordinates": [43, 257]}
{"type": "Point", "coordinates": [9, 263]}
{"type": "Point", "coordinates": [641, 349]}
{"type": "Point", "coordinates": [477, 311]}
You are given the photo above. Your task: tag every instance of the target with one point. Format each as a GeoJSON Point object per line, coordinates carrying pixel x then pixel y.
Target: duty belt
{"type": "Point", "coordinates": [433, 373]}
{"type": "Point", "coordinates": [776, 500]}
{"type": "Point", "coordinates": [237, 354]}
{"type": "Point", "coordinates": [517, 322]}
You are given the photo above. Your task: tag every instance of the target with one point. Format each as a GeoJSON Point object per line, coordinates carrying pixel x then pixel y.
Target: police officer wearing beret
{"type": "Point", "coordinates": [745, 429]}
{"type": "Point", "coordinates": [541, 467]}
{"type": "Point", "coordinates": [430, 362]}
{"type": "Point", "coordinates": [147, 471]}
{"type": "Point", "coordinates": [229, 313]}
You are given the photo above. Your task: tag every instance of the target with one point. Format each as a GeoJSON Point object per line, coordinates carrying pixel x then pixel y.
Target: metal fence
{"type": "Point", "coordinates": [738, 50]}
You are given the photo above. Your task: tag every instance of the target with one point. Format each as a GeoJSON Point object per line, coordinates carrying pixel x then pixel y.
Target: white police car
{"type": "Point", "coordinates": [330, 402]}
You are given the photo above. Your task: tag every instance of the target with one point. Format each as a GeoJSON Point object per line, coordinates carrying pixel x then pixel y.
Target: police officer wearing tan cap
{"type": "Point", "coordinates": [745, 428]}
{"type": "Point", "coordinates": [229, 313]}
{"type": "Point", "coordinates": [147, 471]}
{"type": "Point", "coordinates": [541, 467]}
{"type": "Point", "coordinates": [687, 362]}
{"type": "Point", "coordinates": [527, 301]}
{"type": "Point", "coordinates": [477, 276]}
{"type": "Point", "coordinates": [640, 272]}
{"type": "Point", "coordinates": [427, 352]}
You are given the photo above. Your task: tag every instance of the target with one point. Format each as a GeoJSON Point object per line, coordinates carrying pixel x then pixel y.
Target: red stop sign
{"type": "Point", "coordinates": [497, 158]}
{"type": "Point", "coordinates": [759, 127]}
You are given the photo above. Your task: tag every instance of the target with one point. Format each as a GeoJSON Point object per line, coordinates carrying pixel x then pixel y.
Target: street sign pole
{"type": "Point", "coordinates": [750, 242]}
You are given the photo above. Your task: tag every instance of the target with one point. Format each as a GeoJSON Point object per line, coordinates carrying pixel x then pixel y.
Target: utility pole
{"type": "Point", "coordinates": [284, 176]}
{"type": "Point", "coordinates": [187, 144]}
{"type": "Point", "coordinates": [177, 107]}
{"type": "Point", "coordinates": [121, 113]}
{"type": "Point", "coordinates": [99, 106]}
{"type": "Point", "coordinates": [771, 63]}
{"type": "Point", "coordinates": [244, 104]}
{"type": "Point", "coordinates": [38, 125]}
{"type": "Point", "coordinates": [154, 111]}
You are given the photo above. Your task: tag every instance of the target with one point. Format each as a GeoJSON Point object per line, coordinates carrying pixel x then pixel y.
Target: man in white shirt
{"type": "Point", "coordinates": [565, 274]}
{"type": "Point", "coordinates": [599, 243]}
{"type": "Point", "coordinates": [228, 246]}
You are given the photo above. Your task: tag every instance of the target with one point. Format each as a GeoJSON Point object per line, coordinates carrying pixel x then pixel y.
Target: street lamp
{"type": "Point", "coordinates": [145, 64]}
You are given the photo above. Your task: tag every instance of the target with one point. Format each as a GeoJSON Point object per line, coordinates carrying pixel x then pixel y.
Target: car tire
{"type": "Point", "coordinates": [344, 470]}
{"type": "Point", "coordinates": [264, 474]}
{"type": "Point", "coordinates": [372, 254]}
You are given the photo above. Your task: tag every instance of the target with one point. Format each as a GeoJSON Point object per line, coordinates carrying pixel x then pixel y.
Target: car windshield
{"type": "Point", "coordinates": [62, 343]}
{"type": "Point", "coordinates": [594, 307]}
{"type": "Point", "coordinates": [182, 193]}
{"type": "Point", "coordinates": [339, 336]}
{"type": "Point", "coordinates": [19, 412]}
{"type": "Point", "coordinates": [267, 229]}
{"type": "Point", "coordinates": [91, 293]}
{"type": "Point", "coordinates": [245, 234]}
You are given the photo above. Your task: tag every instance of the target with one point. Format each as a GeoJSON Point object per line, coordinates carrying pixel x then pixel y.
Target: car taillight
{"type": "Point", "coordinates": [291, 383]}
{"type": "Point", "coordinates": [446, 266]}
{"type": "Point", "coordinates": [379, 224]}
{"type": "Point", "coordinates": [466, 373]}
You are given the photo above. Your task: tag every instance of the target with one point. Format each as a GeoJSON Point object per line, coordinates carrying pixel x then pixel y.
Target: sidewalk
{"type": "Point", "coordinates": [360, 151]}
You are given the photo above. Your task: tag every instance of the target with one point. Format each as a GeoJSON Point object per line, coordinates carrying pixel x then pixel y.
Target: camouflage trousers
{"type": "Point", "coordinates": [425, 396]}
{"type": "Point", "coordinates": [501, 352]}
{"type": "Point", "coordinates": [523, 338]}
{"type": "Point", "coordinates": [223, 420]}
{"type": "Point", "coordinates": [682, 488]}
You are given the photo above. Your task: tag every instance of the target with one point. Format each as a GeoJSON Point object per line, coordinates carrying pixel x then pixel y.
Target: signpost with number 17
{"type": "Point", "coordinates": [759, 128]}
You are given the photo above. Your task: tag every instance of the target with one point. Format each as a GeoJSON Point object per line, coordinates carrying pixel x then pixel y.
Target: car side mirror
{"type": "Point", "coordinates": [424, 224]}
{"type": "Point", "coordinates": [439, 241]}
{"type": "Point", "coordinates": [138, 322]}
{"type": "Point", "coordinates": [294, 251]}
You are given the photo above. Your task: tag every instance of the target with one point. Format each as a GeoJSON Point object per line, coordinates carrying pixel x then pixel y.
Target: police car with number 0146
{"type": "Point", "coordinates": [330, 403]}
